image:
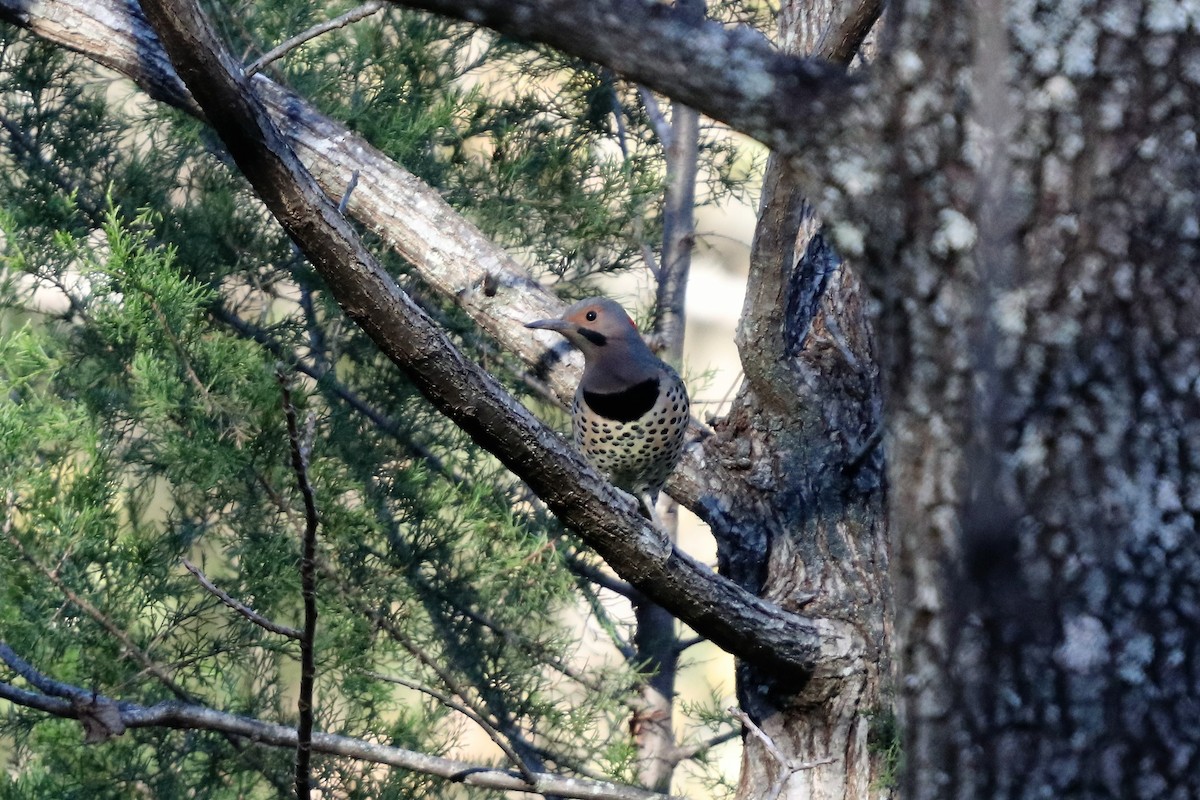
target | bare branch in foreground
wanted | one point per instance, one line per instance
(787, 767)
(72, 702)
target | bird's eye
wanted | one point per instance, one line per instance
(591, 316)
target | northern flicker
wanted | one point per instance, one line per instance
(631, 410)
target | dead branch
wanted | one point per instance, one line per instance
(301, 449)
(241, 608)
(285, 47)
(72, 702)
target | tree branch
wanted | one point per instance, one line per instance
(241, 608)
(685, 752)
(452, 255)
(730, 74)
(72, 702)
(679, 230)
(594, 574)
(840, 41)
(282, 49)
(656, 635)
(731, 617)
(760, 335)
(301, 447)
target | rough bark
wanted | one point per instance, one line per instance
(1021, 196)
(806, 427)
(731, 617)
(1040, 316)
(812, 535)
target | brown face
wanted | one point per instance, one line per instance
(592, 322)
(600, 320)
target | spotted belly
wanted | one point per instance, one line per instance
(634, 447)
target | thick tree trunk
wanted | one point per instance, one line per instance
(1018, 184)
(808, 531)
(1041, 329)
(808, 528)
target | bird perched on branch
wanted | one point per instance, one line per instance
(631, 409)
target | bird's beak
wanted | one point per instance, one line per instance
(559, 325)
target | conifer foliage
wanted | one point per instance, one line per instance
(153, 514)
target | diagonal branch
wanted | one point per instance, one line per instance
(73, 702)
(452, 255)
(730, 74)
(282, 49)
(731, 617)
(840, 41)
(766, 316)
(238, 606)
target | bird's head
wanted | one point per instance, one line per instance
(614, 353)
(594, 326)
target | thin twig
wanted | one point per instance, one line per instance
(344, 203)
(787, 767)
(277, 52)
(696, 748)
(752, 726)
(241, 608)
(599, 577)
(658, 122)
(301, 446)
(492, 732)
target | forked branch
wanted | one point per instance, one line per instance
(731, 617)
